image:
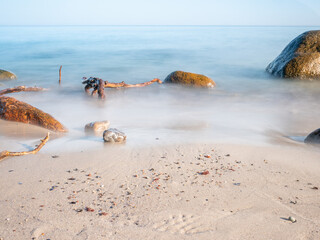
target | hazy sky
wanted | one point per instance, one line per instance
(160, 12)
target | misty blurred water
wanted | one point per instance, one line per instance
(248, 105)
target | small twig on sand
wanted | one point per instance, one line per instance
(60, 75)
(21, 89)
(5, 154)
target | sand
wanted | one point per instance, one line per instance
(190, 191)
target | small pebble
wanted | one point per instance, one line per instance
(292, 219)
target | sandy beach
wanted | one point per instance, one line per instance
(190, 191)
(219, 163)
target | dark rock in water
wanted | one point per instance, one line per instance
(5, 75)
(299, 59)
(191, 79)
(114, 135)
(314, 137)
(17, 111)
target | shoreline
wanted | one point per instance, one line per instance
(163, 192)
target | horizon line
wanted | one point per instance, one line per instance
(151, 25)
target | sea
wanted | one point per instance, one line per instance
(247, 106)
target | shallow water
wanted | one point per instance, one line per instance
(247, 106)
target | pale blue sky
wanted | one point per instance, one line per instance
(160, 12)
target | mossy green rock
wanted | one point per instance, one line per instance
(191, 79)
(5, 75)
(299, 59)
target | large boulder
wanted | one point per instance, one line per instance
(299, 59)
(190, 79)
(314, 137)
(5, 75)
(13, 110)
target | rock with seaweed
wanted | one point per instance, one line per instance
(6, 75)
(189, 79)
(12, 109)
(299, 59)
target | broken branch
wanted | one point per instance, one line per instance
(123, 84)
(5, 154)
(21, 89)
(96, 84)
(60, 75)
(101, 89)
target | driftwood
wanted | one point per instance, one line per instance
(96, 84)
(101, 89)
(14, 110)
(21, 89)
(60, 75)
(5, 154)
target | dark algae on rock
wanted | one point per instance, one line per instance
(299, 59)
(190, 79)
(14, 110)
(6, 75)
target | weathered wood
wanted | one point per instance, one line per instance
(21, 89)
(87, 88)
(96, 84)
(14, 110)
(60, 75)
(125, 85)
(101, 89)
(5, 154)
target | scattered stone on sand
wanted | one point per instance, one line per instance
(190, 79)
(299, 59)
(97, 127)
(292, 219)
(314, 137)
(114, 135)
(13, 110)
(6, 75)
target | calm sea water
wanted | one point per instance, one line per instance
(248, 105)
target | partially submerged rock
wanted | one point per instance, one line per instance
(97, 127)
(299, 59)
(13, 110)
(114, 135)
(191, 79)
(314, 137)
(6, 75)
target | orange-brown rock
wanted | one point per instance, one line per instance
(13, 110)
(189, 79)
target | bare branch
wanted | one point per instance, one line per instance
(21, 89)
(125, 85)
(5, 154)
(60, 75)
(96, 84)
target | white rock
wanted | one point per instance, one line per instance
(97, 127)
(114, 135)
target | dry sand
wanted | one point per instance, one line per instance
(204, 191)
